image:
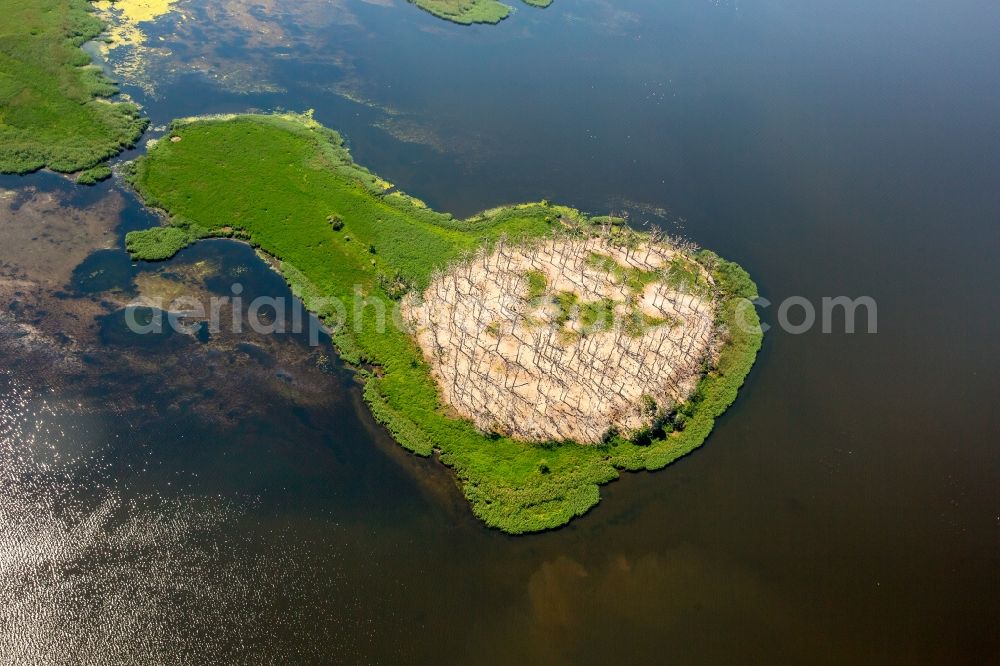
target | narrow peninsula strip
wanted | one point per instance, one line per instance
(54, 111)
(468, 12)
(289, 186)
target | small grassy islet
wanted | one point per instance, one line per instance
(278, 181)
(468, 12)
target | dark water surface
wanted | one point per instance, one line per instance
(846, 509)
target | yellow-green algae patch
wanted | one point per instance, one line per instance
(126, 46)
(289, 187)
(125, 18)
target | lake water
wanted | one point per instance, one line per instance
(230, 500)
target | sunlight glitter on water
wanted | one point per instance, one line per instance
(89, 571)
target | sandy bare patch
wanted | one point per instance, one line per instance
(566, 338)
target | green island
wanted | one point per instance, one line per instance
(289, 187)
(467, 12)
(54, 107)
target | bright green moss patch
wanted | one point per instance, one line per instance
(467, 12)
(274, 180)
(52, 108)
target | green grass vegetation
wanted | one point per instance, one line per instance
(635, 278)
(53, 107)
(273, 180)
(94, 175)
(638, 322)
(468, 12)
(682, 272)
(158, 244)
(597, 315)
(566, 304)
(537, 282)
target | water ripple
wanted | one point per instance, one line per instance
(91, 572)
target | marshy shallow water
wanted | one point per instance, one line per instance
(229, 500)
